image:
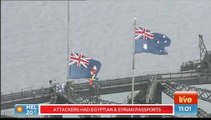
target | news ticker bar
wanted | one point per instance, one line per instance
(94, 109)
(185, 103)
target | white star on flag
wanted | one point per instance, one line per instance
(145, 46)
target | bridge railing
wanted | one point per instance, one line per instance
(186, 74)
(83, 85)
(167, 74)
(120, 76)
(146, 76)
(25, 89)
(112, 81)
(25, 93)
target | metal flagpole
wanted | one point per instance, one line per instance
(68, 32)
(133, 64)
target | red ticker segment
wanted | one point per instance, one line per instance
(84, 109)
(185, 97)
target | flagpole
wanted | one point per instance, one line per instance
(133, 65)
(68, 36)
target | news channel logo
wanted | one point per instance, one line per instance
(186, 103)
(26, 109)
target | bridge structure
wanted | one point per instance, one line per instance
(149, 87)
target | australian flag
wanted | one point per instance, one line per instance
(148, 42)
(82, 67)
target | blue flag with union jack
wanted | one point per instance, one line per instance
(148, 42)
(82, 67)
